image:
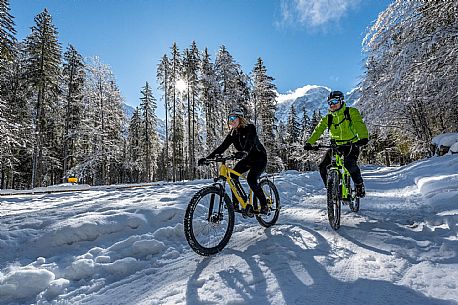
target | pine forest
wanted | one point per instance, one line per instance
(62, 113)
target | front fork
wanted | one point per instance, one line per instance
(215, 207)
(344, 179)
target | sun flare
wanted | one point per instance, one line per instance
(180, 85)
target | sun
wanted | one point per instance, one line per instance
(180, 85)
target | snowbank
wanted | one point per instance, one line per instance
(25, 282)
(119, 245)
(71, 187)
(446, 142)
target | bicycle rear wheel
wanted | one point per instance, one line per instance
(209, 221)
(333, 199)
(273, 200)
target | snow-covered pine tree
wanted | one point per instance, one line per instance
(8, 128)
(264, 101)
(7, 33)
(209, 96)
(210, 102)
(306, 126)
(228, 75)
(243, 91)
(17, 141)
(102, 128)
(163, 78)
(149, 139)
(52, 144)
(43, 72)
(134, 163)
(306, 131)
(293, 126)
(316, 118)
(187, 109)
(7, 140)
(191, 71)
(293, 140)
(176, 106)
(197, 141)
(73, 90)
(115, 138)
(281, 140)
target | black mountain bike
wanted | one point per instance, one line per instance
(340, 186)
(210, 216)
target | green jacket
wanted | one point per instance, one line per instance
(342, 131)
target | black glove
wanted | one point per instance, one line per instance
(202, 161)
(362, 142)
(240, 154)
(309, 146)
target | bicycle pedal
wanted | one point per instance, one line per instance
(247, 213)
(260, 212)
(244, 215)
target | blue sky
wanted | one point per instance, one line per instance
(302, 42)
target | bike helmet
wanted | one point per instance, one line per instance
(238, 112)
(336, 95)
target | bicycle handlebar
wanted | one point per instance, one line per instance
(332, 146)
(336, 146)
(221, 158)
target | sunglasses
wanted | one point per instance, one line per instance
(334, 101)
(232, 118)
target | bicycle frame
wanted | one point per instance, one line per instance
(225, 173)
(337, 163)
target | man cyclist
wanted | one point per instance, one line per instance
(345, 126)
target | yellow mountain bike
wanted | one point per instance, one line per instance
(210, 216)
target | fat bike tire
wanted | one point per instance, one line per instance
(208, 226)
(273, 199)
(333, 199)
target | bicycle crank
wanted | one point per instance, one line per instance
(248, 212)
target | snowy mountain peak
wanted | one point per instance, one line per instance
(299, 92)
(308, 98)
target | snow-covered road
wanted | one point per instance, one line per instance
(108, 246)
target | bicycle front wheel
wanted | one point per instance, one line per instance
(273, 200)
(209, 221)
(333, 199)
(354, 202)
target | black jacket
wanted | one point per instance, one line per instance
(243, 139)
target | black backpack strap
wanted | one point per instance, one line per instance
(329, 121)
(347, 113)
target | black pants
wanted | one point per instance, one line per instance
(256, 168)
(351, 154)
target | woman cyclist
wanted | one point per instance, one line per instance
(250, 150)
